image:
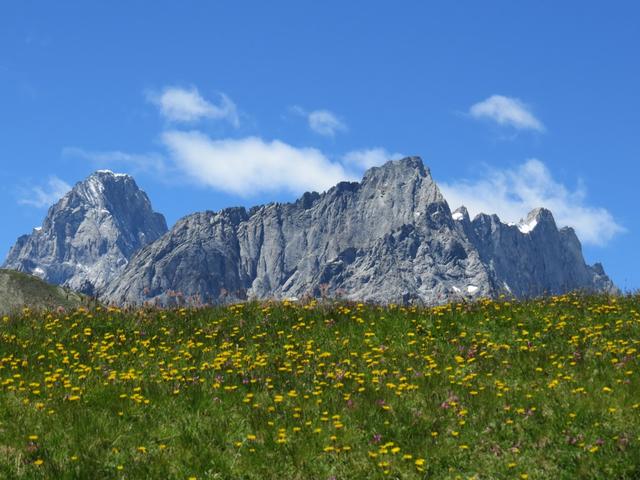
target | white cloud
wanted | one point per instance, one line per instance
(507, 111)
(251, 165)
(243, 166)
(323, 122)
(512, 193)
(134, 162)
(367, 158)
(45, 196)
(187, 105)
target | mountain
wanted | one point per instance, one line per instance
(19, 290)
(88, 237)
(533, 257)
(389, 238)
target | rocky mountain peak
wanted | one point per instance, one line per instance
(104, 173)
(397, 170)
(89, 235)
(102, 188)
(537, 216)
(461, 214)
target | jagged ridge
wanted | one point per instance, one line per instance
(389, 238)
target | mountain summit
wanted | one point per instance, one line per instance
(89, 235)
(389, 238)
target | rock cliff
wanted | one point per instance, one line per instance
(88, 236)
(389, 238)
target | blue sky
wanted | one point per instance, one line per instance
(212, 104)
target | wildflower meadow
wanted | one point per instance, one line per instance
(496, 389)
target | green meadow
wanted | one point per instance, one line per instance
(498, 389)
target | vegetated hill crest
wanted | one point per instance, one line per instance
(19, 290)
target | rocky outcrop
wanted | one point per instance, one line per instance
(88, 237)
(389, 238)
(533, 257)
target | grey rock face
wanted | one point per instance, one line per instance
(88, 237)
(533, 257)
(389, 238)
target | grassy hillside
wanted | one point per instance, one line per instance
(19, 290)
(535, 390)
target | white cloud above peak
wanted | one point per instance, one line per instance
(251, 165)
(45, 196)
(507, 111)
(178, 104)
(154, 163)
(323, 122)
(369, 157)
(511, 193)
